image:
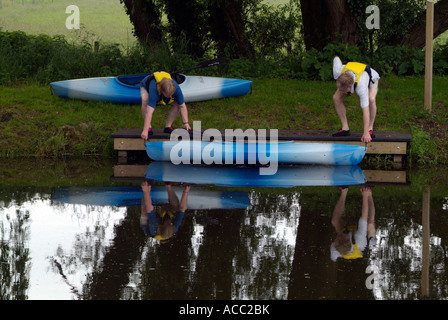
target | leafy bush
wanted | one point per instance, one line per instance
(22, 55)
(400, 60)
(44, 59)
(273, 29)
(425, 149)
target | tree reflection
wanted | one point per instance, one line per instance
(279, 248)
(14, 261)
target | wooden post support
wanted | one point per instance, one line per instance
(429, 54)
(426, 241)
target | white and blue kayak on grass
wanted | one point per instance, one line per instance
(126, 89)
(287, 176)
(126, 196)
(289, 152)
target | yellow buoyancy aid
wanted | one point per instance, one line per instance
(159, 75)
(355, 67)
(356, 252)
(162, 214)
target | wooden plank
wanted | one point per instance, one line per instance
(130, 171)
(385, 176)
(297, 135)
(130, 144)
(320, 135)
(429, 54)
(373, 147)
(135, 133)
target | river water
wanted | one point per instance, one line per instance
(76, 230)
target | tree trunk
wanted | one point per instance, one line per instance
(416, 35)
(228, 28)
(146, 20)
(219, 30)
(326, 21)
(341, 24)
(232, 12)
(185, 24)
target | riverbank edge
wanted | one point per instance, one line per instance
(36, 123)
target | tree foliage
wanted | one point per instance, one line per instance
(186, 25)
(252, 28)
(343, 21)
(226, 27)
(146, 16)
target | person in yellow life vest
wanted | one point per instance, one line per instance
(160, 88)
(353, 242)
(163, 222)
(355, 77)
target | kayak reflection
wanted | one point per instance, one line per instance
(123, 196)
(237, 176)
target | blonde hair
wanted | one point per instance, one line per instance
(345, 80)
(343, 244)
(166, 87)
(165, 231)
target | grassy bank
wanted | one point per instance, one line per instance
(33, 122)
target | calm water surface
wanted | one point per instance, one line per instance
(75, 230)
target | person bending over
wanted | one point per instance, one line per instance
(355, 77)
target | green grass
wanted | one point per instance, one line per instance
(33, 122)
(101, 20)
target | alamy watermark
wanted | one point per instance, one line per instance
(236, 147)
(373, 20)
(372, 281)
(73, 20)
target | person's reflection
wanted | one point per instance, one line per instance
(162, 222)
(353, 241)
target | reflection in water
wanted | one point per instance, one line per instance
(15, 257)
(128, 196)
(353, 241)
(286, 176)
(58, 244)
(163, 223)
(276, 246)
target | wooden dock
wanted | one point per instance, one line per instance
(385, 142)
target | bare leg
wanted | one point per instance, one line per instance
(147, 112)
(174, 111)
(337, 219)
(371, 216)
(146, 205)
(338, 99)
(184, 199)
(173, 200)
(144, 96)
(372, 106)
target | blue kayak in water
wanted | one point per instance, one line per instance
(249, 176)
(126, 89)
(216, 152)
(120, 196)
